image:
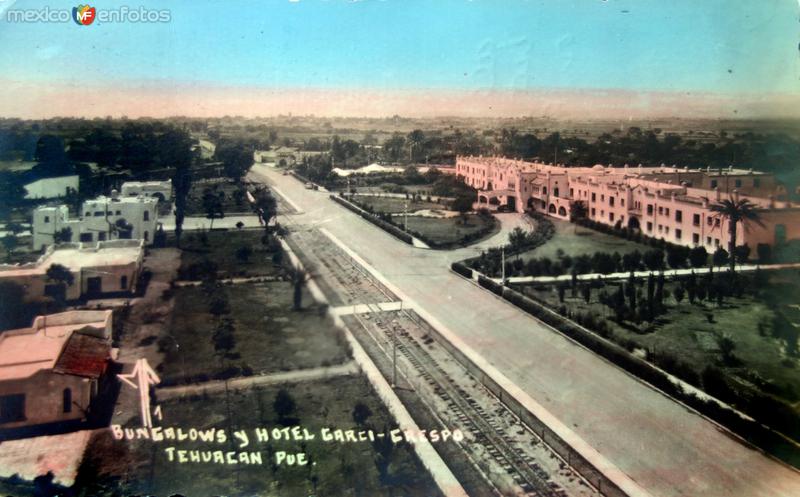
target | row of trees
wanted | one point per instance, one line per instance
(674, 257)
(652, 147)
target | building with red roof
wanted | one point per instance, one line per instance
(52, 372)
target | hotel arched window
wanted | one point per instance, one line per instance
(67, 400)
(146, 215)
(555, 191)
(123, 282)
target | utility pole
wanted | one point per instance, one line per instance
(394, 354)
(503, 264)
(405, 217)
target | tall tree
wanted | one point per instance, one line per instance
(236, 158)
(62, 278)
(176, 150)
(212, 205)
(415, 140)
(517, 239)
(736, 211)
(462, 204)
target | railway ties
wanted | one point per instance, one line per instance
(484, 427)
(487, 427)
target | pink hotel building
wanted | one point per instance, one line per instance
(663, 202)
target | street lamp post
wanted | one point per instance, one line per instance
(503, 264)
(405, 217)
(394, 354)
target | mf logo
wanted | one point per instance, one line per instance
(83, 15)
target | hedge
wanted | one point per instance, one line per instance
(752, 431)
(462, 270)
(390, 228)
(490, 285)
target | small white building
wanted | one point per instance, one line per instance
(162, 190)
(52, 187)
(289, 154)
(102, 218)
(98, 269)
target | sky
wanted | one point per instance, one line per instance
(565, 58)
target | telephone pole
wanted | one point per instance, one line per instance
(503, 264)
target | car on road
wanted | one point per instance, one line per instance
(309, 186)
(285, 173)
(504, 208)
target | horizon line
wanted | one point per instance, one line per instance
(158, 100)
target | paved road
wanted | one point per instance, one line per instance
(665, 448)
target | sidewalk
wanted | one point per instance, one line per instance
(644, 274)
(199, 223)
(245, 382)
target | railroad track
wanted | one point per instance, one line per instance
(483, 425)
(354, 285)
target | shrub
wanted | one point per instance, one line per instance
(461, 269)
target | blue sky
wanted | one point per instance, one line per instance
(734, 46)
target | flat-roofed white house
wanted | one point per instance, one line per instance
(53, 371)
(101, 219)
(162, 190)
(52, 187)
(98, 269)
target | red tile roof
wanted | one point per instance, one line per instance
(84, 355)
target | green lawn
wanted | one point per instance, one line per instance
(221, 248)
(269, 335)
(447, 231)
(576, 240)
(336, 469)
(395, 205)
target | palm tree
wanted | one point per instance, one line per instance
(736, 211)
(415, 139)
